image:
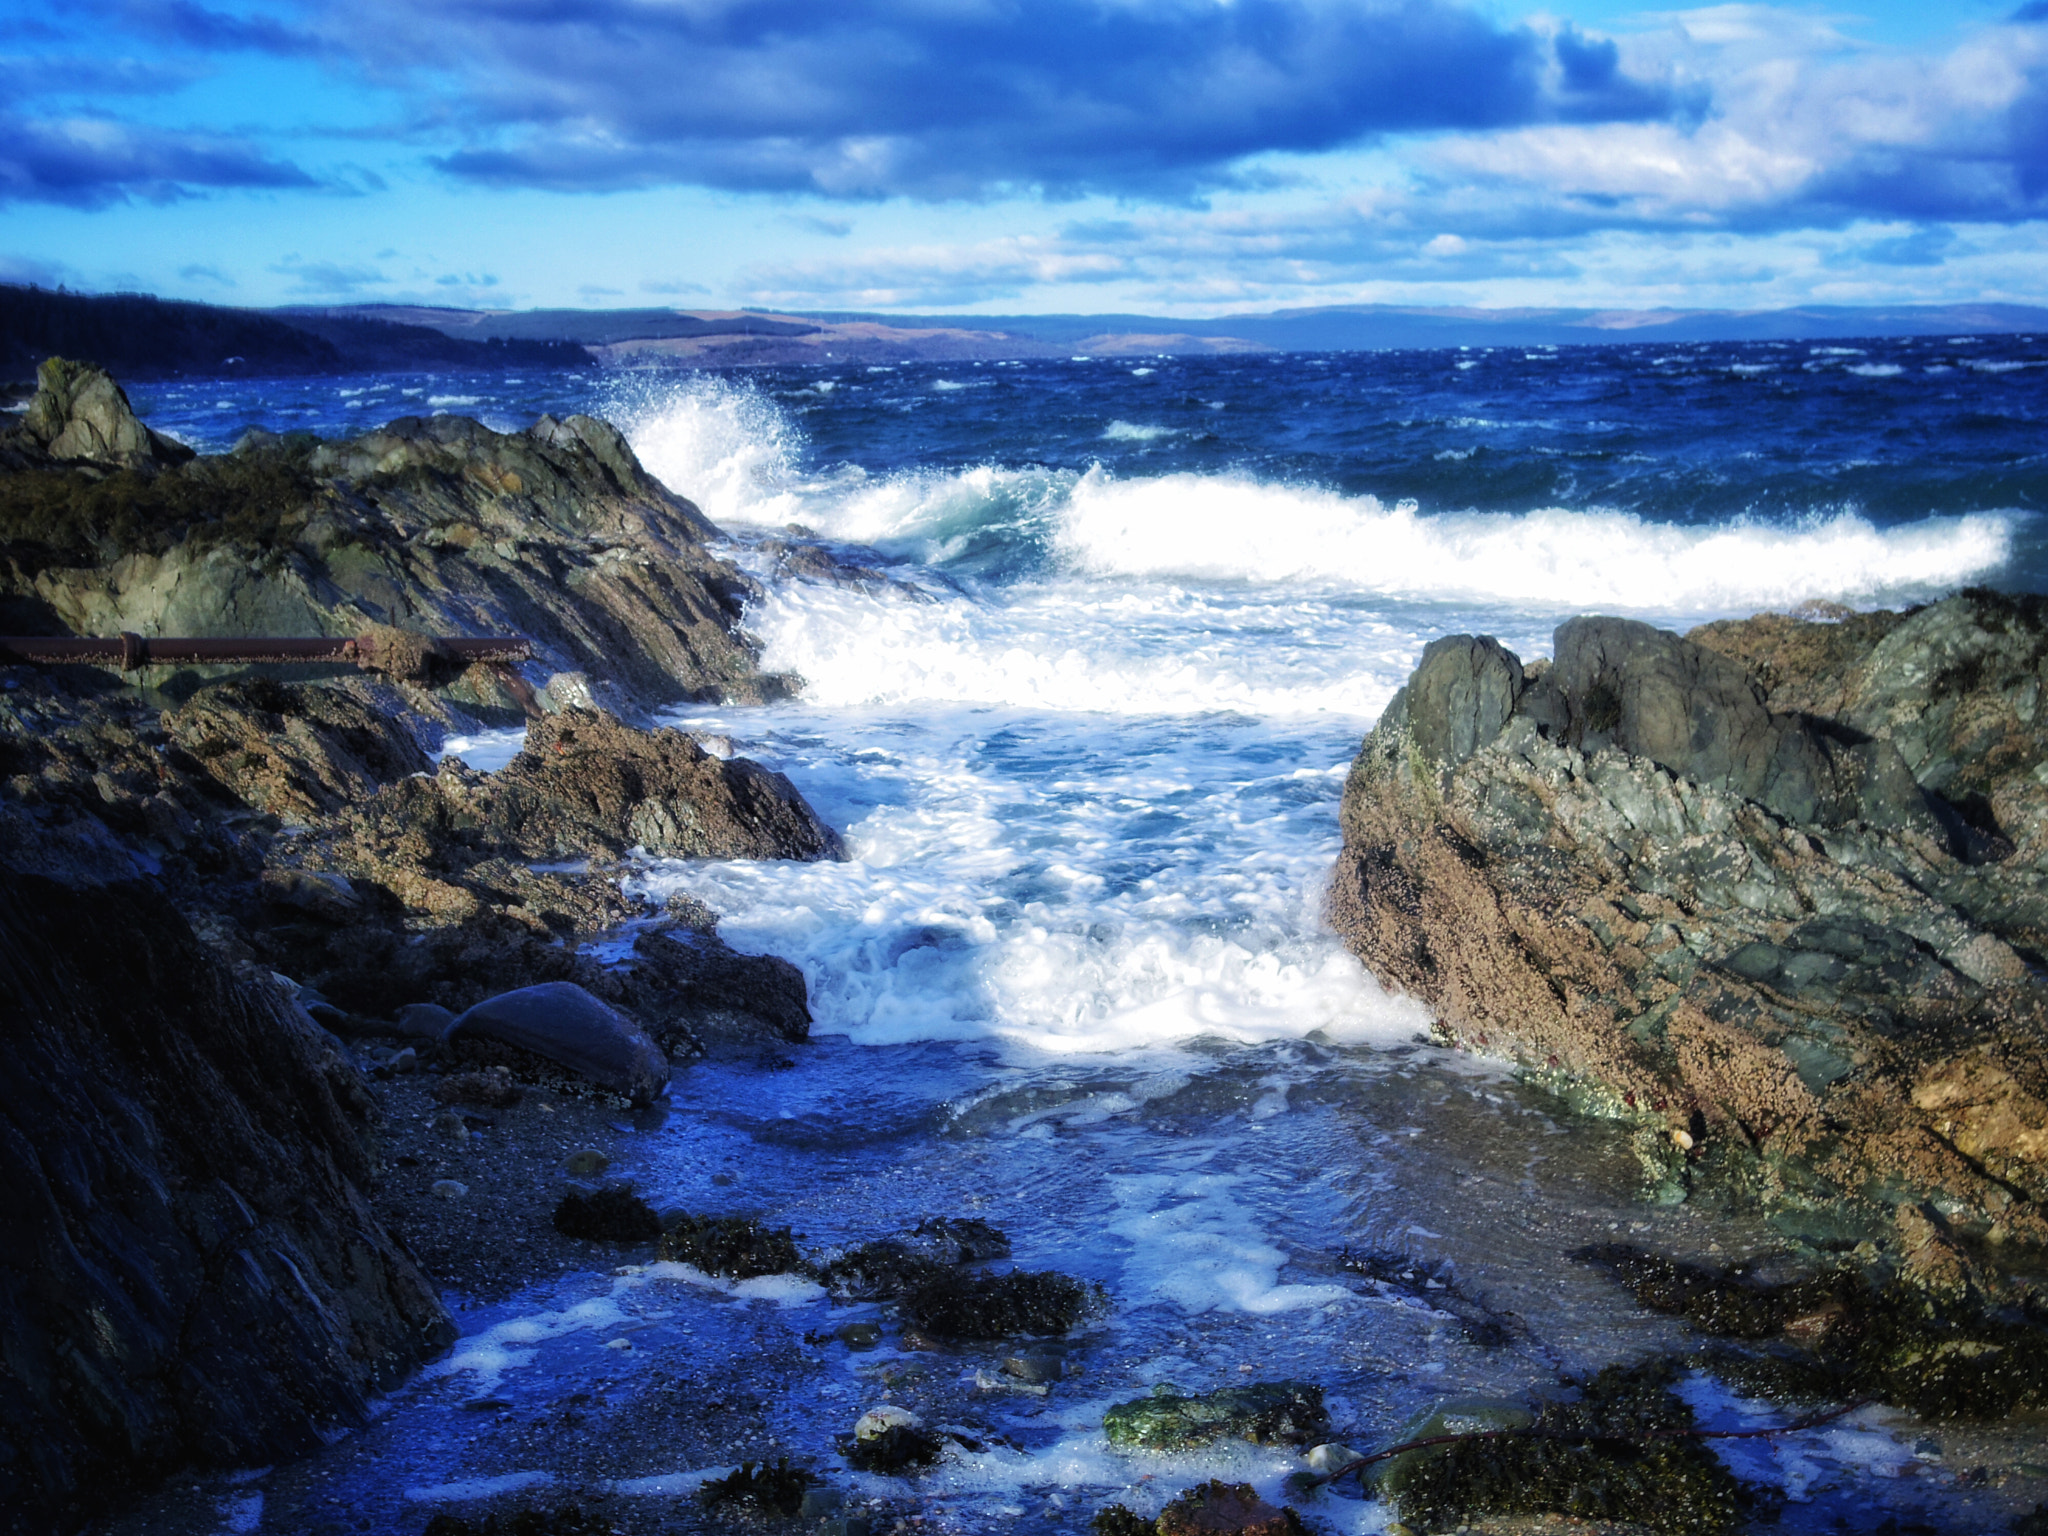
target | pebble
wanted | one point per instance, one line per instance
(884, 1417)
(820, 1502)
(846, 1525)
(1328, 1458)
(448, 1126)
(861, 1335)
(587, 1160)
(989, 1381)
(1035, 1368)
(407, 1060)
(450, 1189)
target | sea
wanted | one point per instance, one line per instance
(1086, 745)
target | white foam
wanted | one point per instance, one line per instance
(480, 1487)
(1195, 1245)
(485, 751)
(783, 1290)
(1226, 528)
(1079, 645)
(1875, 370)
(1134, 432)
(454, 399)
(512, 1344)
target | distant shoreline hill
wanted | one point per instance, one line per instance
(145, 337)
(761, 338)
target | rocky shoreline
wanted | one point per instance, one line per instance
(1774, 892)
(312, 1044)
(227, 917)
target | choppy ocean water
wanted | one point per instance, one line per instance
(1087, 755)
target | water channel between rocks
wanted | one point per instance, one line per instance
(1071, 983)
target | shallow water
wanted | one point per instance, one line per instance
(1087, 754)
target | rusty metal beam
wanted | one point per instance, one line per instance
(129, 651)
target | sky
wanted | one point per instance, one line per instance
(1172, 157)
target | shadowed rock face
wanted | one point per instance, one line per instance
(1654, 875)
(189, 1270)
(438, 525)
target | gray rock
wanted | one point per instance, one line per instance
(564, 1023)
(425, 1021)
(79, 412)
(1463, 691)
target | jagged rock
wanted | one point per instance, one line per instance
(436, 526)
(585, 782)
(295, 751)
(1218, 1508)
(693, 979)
(564, 1023)
(1764, 934)
(190, 1274)
(79, 412)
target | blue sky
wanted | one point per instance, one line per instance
(1187, 157)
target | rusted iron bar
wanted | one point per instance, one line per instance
(129, 651)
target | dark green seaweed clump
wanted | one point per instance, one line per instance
(1118, 1520)
(778, 1489)
(1838, 1338)
(889, 1266)
(610, 1215)
(566, 1520)
(1620, 1452)
(1220, 1506)
(896, 1448)
(981, 1306)
(734, 1246)
(248, 501)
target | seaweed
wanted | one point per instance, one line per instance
(613, 1214)
(1118, 1520)
(890, 1266)
(778, 1489)
(976, 1306)
(1838, 1337)
(737, 1247)
(1625, 1449)
(894, 1448)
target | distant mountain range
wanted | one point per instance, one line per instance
(144, 336)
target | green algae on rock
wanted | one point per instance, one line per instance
(1264, 1412)
(1621, 1451)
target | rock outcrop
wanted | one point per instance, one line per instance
(1773, 891)
(432, 524)
(190, 1269)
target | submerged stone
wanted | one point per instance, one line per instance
(779, 1489)
(1218, 1508)
(890, 1439)
(1265, 1412)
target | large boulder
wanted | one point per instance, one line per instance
(1653, 874)
(564, 1023)
(79, 413)
(190, 1273)
(437, 525)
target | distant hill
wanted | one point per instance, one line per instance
(727, 338)
(137, 336)
(141, 337)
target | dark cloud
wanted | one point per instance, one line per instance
(196, 26)
(876, 98)
(91, 162)
(199, 273)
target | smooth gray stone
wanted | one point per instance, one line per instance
(564, 1023)
(423, 1021)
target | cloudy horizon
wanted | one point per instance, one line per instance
(1191, 157)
